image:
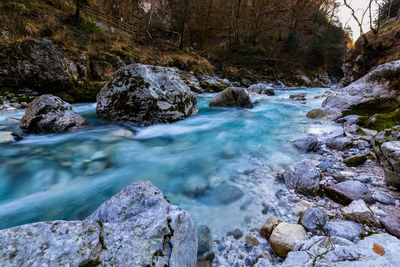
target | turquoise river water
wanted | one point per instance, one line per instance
(218, 164)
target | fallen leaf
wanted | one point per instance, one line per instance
(378, 249)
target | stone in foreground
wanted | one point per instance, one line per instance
(358, 211)
(50, 114)
(391, 224)
(303, 177)
(285, 236)
(145, 95)
(232, 97)
(346, 229)
(339, 252)
(345, 192)
(136, 227)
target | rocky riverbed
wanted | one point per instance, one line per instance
(333, 202)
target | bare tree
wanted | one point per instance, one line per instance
(360, 20)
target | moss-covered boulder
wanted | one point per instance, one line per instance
(145, 95)
(355, 161)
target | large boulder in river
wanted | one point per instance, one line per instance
(303, 177)
(50, 114)
(145, 95)
(378, 90)
(136, 227)
(38, 65)
(232, 97)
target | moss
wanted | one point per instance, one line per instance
(383, 121)
(355, 161)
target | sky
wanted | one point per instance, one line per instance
(346, 18)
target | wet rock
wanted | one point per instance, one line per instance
(391, 224)
(307, 144)
(205, 239)
(319, 113)
(8, 137)
(340, 143)
(262, 89)
(146, 95)
(237, 233)
(232, 97)
(226, 193)
(346, 229)
(345, 192)
(136, 227)
(336, 251)
(303, 177)
(391, 162)
(359, 212)
(269, 226)
(384, 199)
(299, 97)
(50, 114)
(285, 236)
(314, 219)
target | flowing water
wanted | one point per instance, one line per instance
(218, 164)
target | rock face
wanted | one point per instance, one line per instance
(262, 89)
(145, 95)
(346, 229)
(378, 89)
(136, 227)
(50, 114)
(232, 97)
(36, 64)
(285, 236)
(358, 211)
(339, 252)
(345, 192)
(303, 177)
(391, 162)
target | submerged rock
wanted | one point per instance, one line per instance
(285, 236)
(232, 97)
(50, 114)
(339, 252)
(303, 177)
(145, 95)
(346, 229)
(345, 192)
(136, 227)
